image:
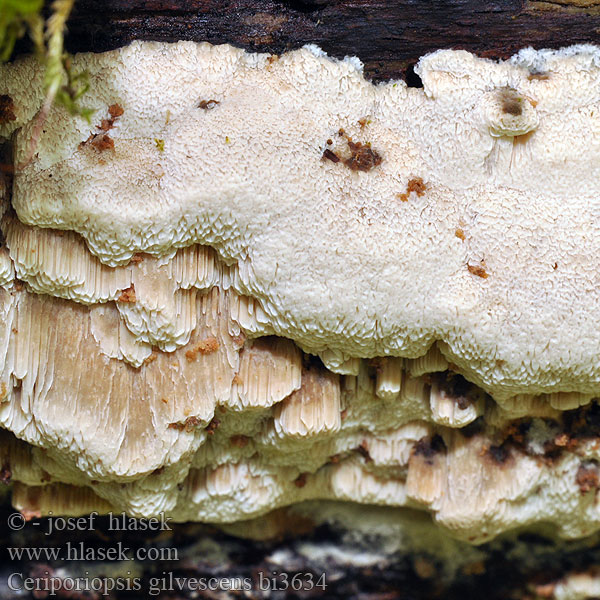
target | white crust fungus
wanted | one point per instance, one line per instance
(229, 149)
(165, 268)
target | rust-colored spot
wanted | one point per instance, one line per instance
(106, 124)
(363, 450)
(362, 157)
(329, 142)
(460, 234)
(587, 477)
(128, 294)
(300, 481)
(7, 109)
(165, 400)
(101, 141)
(364, 122)
(555, 266)
(212, 426)
(19, 285)
(237, 380)
(207, 104)
(239, 441)
(478, 270)
(187, 425)
(416, 185)
(330, 155)
(206, 346)
(191, 354)
(151, 358)
(115, 110)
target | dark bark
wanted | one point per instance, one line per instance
(387, 35)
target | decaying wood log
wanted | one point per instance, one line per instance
(388, 36)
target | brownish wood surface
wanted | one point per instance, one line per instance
(388, 35)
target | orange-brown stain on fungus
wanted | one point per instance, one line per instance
(460, 234)
(188, 425)
(207, 104)
(478, 270)
(206, 346)
(416, 185)
(102, 141)
(115, 110)
(239, 441)
(7, 109)
(362, 157)
(587, 477)
(128, 294)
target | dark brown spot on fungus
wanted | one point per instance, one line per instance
(329, 155)
(429, 447)
(363, 450)
(587, 477)
(300, 481)
(362, 157)
(7, 109)
(512, 103)
(499, 454)
(207, 104)
(456, 387)
(212, 426)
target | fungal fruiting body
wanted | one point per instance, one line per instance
(291, 284)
